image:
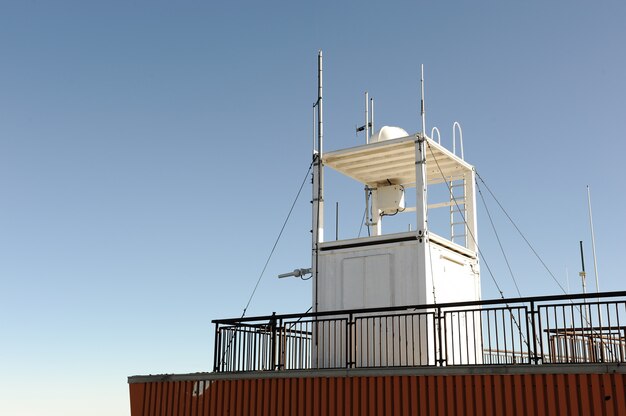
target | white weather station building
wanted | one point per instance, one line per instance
(416, 267)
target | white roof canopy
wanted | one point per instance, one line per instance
(393, 161)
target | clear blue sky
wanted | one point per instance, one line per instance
(149, 152)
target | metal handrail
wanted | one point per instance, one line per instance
(455, 333)
(498, 301)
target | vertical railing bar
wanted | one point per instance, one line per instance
(458, 336)
(524, 346)
(452, 333)
(520, 358)
(504, 328)
(461, 329)
(511, 341)
(366, 337)
(332, 342)
(413, 340)
(424, 341)
(467, 351)
(393, 340)
(386, 340)
(534, 314)
(472, 339)
(350, 341)
(336, 344)
(244, 349)
(437, 337)
(620, 338)
(565, 333)
(406, 340)
(235, 349)
(495, 314)
(281, 345)
(240, 351)
(611, 342)
(257, 347)
(546, 318)
(601, 336)
(425, 338)
(249, 352)
(556, 333)
(491, 358)
(216, 351)
(443, 332)
(582, 332)
(378, 349)
(574, 357)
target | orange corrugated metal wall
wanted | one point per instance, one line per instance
(524, 394)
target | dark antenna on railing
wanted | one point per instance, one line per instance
(582, 274)
(583, 278)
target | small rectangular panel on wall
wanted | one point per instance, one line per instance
(367, 282)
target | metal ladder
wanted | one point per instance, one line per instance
(458, 228)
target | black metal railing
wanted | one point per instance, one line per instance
(581, 328)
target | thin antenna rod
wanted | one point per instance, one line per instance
(337, 221)
(372, 116)
(583, 277)
(367, 118)
(423, 107)
(314, 126)
(320, 121)
(593, 240)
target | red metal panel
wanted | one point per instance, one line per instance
(507, 395)
(619, 394)
(499, 394)
(596, 401)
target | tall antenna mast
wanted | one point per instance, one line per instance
(368, 127)
(367, 118)
(372, 116)
(318, 183)
(423, 108)
(593, 241)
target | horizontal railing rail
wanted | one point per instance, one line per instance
(581, 328)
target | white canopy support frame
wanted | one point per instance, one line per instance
(393, 162)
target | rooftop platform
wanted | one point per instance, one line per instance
(394, 161)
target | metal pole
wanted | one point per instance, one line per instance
(583, 277)
(367, 118)
(320, 121)
(314, 127)
(421, 209)
(318, 185)
(367, 210)
(372, 116)
(216, 359)
(337, 221)
(423, 107)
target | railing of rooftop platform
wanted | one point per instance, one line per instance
(582, 328)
